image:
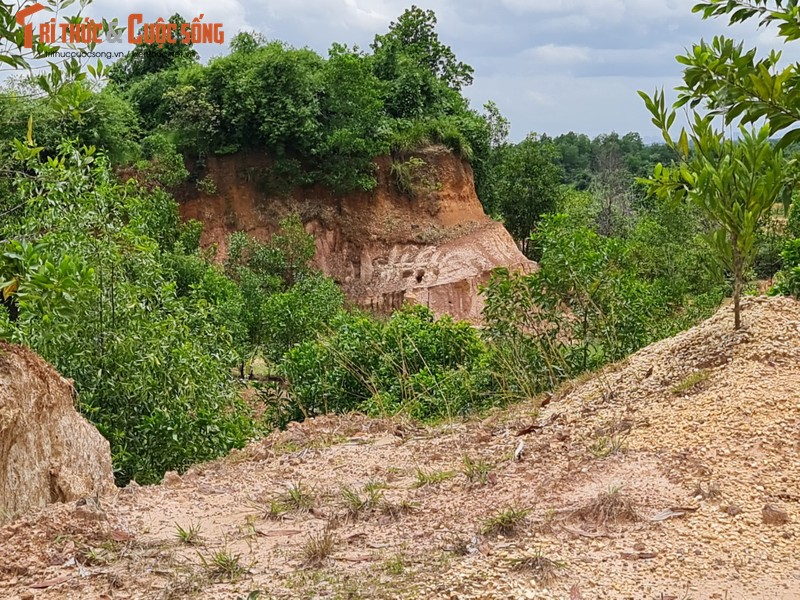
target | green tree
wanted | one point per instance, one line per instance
(736, 83)
(528, 186)
(734, 182)
(413, 37)
(146, 59)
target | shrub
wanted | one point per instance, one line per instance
(788, 280)
(412, 363)
(150, 361)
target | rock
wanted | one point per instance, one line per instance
(733, 510)
(772, 515)
(172, 479)
(48, 452)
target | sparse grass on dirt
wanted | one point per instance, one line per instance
(395, 565)
(189, 536)
(223, 565)
(106, 554)
(318, 548)
(608, 445)
(690, 382)
(610, 507)
(356, 503)
(432, 477)
(298, 496)
(507, 522)
(543, 569)
(276, 510)
(397, 510)
(476, 471)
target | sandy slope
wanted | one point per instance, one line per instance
(706, 424)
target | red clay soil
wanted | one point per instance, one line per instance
(383, 247)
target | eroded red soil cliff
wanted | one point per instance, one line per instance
(383, 247)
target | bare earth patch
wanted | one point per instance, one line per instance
(697, 497)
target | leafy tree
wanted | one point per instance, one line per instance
(734, 82)
(528, 186)
(247, 41)
(412, 41)
(88, 268)
(735, 183)
(146, 59)
(354, 123)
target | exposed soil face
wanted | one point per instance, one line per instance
(383, 247)
(48, 452)
(675, 474)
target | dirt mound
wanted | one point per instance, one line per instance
(671, 475)
(384, 247)
(48, 452)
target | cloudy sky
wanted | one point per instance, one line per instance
(552, 66)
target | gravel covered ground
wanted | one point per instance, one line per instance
(675, 474)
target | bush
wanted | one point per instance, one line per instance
(107, 294)
(788, 280)
(593, 301)
(411, 364)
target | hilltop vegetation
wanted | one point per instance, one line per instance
(101, 278)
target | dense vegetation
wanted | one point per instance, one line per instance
(98, 274)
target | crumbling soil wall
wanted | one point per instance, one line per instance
(48, 452)
(384, 247)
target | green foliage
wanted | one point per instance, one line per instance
(321, 121)
(163, 164)
(285, 302)
(594, 300)
(528, 185)
(105, 120)
(96, 298)
(413, 364)
(413, 37)
(735, 83)
(788, 280)
(413, 178)
(793, 222)
(146, 59)
(584, 159)
(735, 184)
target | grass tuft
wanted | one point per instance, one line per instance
(476, 472)
(690, 382)
(432, 477)
(544, 570)
(609, 507)
(507, 522)
(318, 548)
(224, 566)
(189, 536)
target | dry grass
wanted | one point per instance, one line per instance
(608, 445)
(397, 510)
(318, 548)
(612, 506)
(543, 569)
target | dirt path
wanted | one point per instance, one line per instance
(673, 475)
